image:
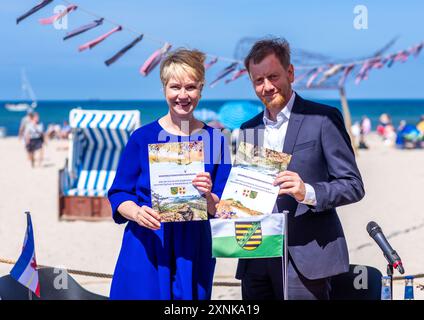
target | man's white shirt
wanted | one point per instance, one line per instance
(274, 136)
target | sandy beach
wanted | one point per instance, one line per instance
(393, 182)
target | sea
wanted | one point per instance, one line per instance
(56, 111)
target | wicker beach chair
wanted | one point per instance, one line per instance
(97, 139)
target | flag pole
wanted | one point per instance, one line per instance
(347, 118)
(285, 257)
(29, 291)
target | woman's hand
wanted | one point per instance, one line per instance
(203, 183)
(147, 217)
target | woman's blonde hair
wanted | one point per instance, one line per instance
(182, 62)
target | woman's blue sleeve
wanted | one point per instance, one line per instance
(124, 185)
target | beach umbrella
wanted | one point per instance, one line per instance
(205, 115)
(233, 114)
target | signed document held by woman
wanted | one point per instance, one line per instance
(172, 168)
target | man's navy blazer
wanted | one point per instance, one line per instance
(323, 157)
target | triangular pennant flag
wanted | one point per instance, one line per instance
(391, 60)
(399, 56)
(402, 56)
(378, 63)
(83, 28)
(224, 73)
(314, 76)
(237, 74)
(121, 52)
(211, 63)
(154, 59)
(59, 15)
(331, 71)
(346, 72)
(363, 72)
(95, 42)
(33, 10)
(415, 50)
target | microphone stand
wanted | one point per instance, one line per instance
(390, 274)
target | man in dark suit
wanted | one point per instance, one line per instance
(321, 176)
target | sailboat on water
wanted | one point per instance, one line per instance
(27, 92)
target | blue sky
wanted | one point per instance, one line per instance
(58, 71)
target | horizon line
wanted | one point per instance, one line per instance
(211, 99)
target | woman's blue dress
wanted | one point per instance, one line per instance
(174, 262)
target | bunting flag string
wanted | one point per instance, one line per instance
(308, 78)
(59, 15)
(33, 10)
(365, 65)
(83, 28)
(91, 44)
(121, 52)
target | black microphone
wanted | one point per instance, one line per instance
(391, 255)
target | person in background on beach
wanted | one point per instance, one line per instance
(321, 176)
(53, 131)
(24, 122)
(383, 121)
(65, 131)
(386, 129)
(172, 260)
(400, 141)
(420, 126)
(365, 129)
(34, 138)
(355, 129)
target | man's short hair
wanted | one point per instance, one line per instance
(263, 48)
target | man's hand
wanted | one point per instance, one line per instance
(290, 183)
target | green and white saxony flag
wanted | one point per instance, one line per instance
(252, 237)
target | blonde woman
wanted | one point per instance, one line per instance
(170, 260)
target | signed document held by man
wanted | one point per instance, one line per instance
(172, 167)
(249, 190)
